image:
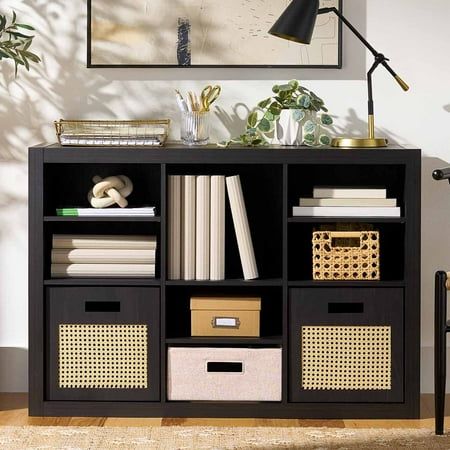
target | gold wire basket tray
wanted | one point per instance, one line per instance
(100, 133)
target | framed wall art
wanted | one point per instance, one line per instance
(204, 33)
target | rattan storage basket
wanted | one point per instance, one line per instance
(335, 258)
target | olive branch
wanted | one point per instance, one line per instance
(15, 44)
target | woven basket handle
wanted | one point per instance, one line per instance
(345, 234)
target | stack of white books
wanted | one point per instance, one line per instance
(329, 201)
(196, 227)
(103, 256)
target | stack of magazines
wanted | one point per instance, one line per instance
(103, 256)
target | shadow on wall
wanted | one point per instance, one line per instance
(53, 88)
(13, 369)
(353, 126)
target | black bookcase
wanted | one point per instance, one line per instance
(272, 179)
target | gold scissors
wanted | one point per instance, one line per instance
(209, 96)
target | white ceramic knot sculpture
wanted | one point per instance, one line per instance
(109, 191)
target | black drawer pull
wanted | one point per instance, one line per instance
(224, 367)
(346, 308)
(91, 306)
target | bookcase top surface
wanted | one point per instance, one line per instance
(211, 154)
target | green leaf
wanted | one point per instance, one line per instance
(285, 88)
(304, 101)
(25, 61)
(298, 114)
(310, 140)
(4, 55)
(270, 116)
(324, 139)
(326, 119)
(309, 127)
(27, 44)
(16, 34)
(265, 126)
(14, 17)
(275, 109)
(32, 56)
(23, 25)
(223, 144)
(294, 84)
(252, 119)
(265, 103)
(276, 89)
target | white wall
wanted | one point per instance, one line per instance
(413, 33)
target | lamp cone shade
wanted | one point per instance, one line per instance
(297, 21)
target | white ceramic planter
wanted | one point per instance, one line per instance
(287, 129)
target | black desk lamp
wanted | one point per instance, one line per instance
(297, 24)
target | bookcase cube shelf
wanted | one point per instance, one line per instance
(262, 187)
(392, 249)
(98, 228)
(178, 315)
(366, 325)
(273, 180)
(303, 178)
(69, 184)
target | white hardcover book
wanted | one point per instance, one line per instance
(217, 233)
(102, 270)
(348, 192)
(342, 211)
(376, 202)
(174, 228)
(203, 186)
(103, 241)
(241, 227)
(188, 227)
(102, 256)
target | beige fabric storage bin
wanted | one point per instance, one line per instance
(227, 374)
(220, 316)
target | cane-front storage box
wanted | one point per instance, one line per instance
(224, 374)
(346, 344)
(223, 316)
(103, 343)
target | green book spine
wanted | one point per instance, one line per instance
(67, 212)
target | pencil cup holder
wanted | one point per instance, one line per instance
(195, 127)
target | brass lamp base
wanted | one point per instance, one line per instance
(359, 142)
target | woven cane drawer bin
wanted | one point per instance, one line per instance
(346, 255)
(346, 344)
(103, 343)
(224, 374)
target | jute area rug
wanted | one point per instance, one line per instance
(216, 438)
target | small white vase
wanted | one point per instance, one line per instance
(287, 129)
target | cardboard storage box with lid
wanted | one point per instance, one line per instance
(225, 316)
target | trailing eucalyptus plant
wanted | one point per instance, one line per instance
(307, 108)
(14, 44)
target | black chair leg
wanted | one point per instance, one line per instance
(440, 349)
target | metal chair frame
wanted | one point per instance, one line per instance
(441, 328)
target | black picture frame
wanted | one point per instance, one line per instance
(90, 65)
